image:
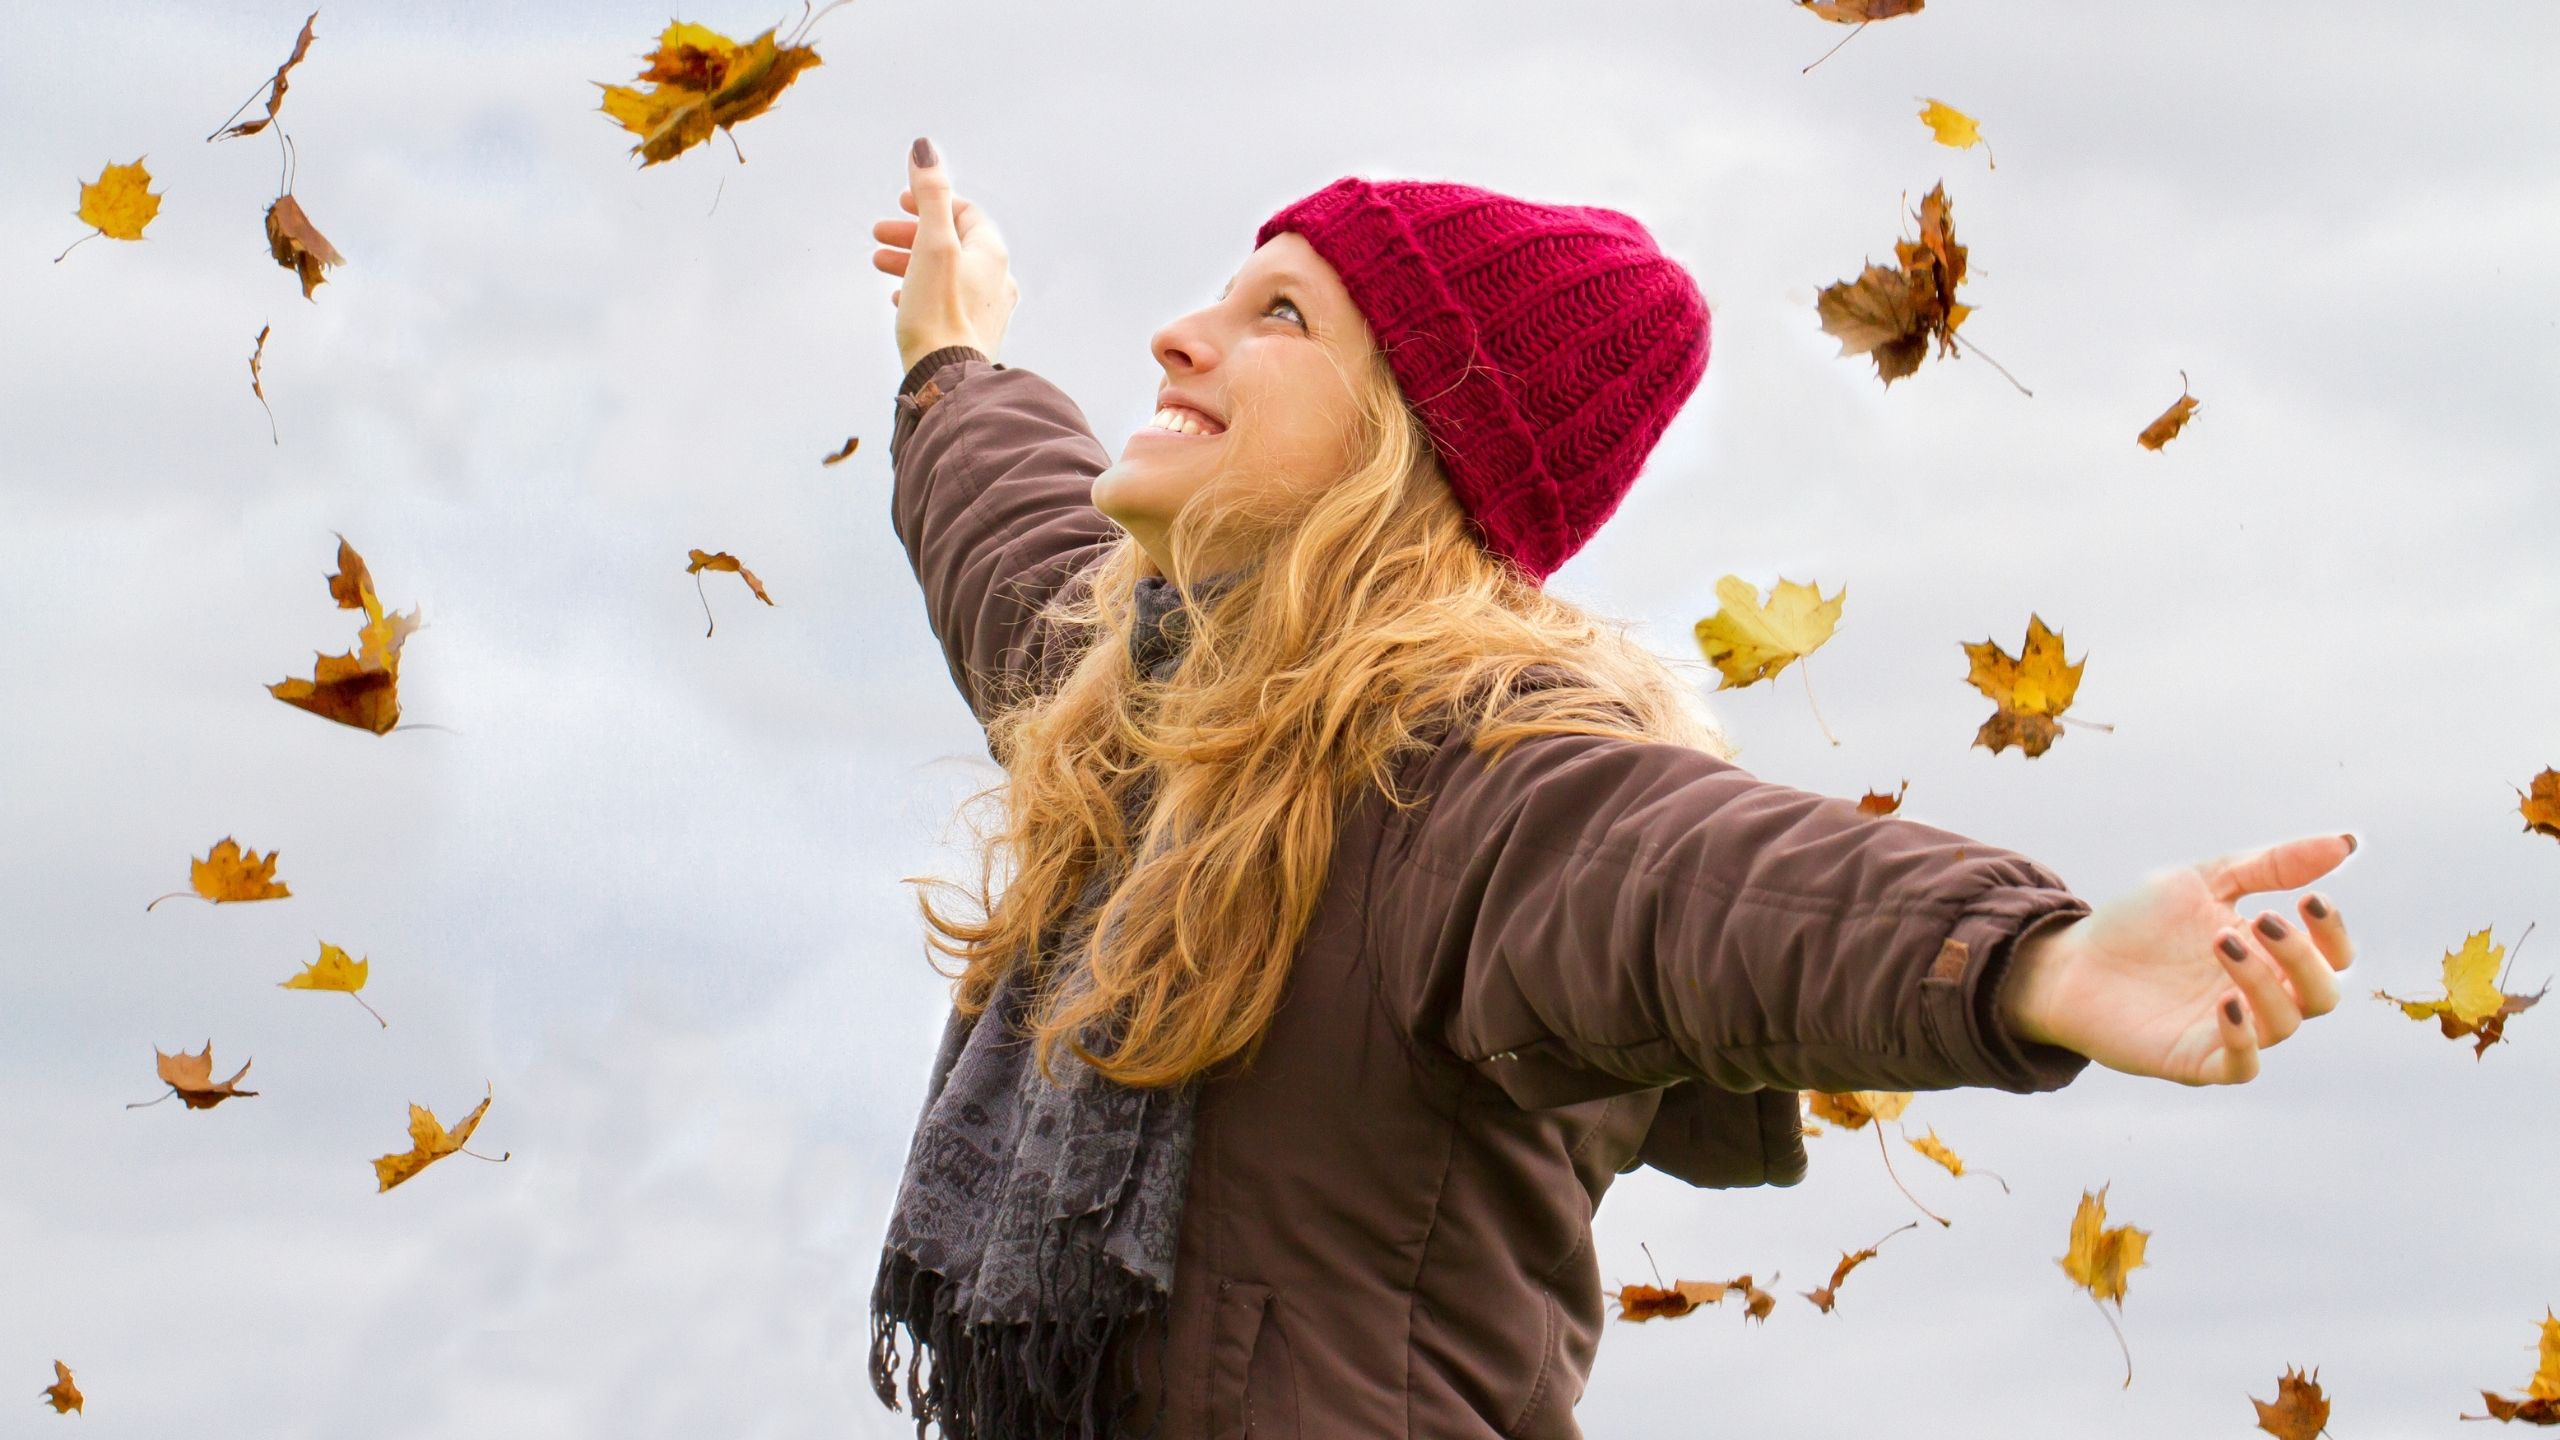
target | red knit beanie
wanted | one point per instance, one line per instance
(1544, 346)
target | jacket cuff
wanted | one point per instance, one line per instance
(1961, 990)
(923, 369)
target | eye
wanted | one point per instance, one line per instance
(1279, 300)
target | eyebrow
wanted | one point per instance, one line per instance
(1286, 277)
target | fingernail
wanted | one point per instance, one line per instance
(2233, 951)
(2271, 925)
(2351, 843)
(2231, 1011)
(924, 154)
(2318, 907)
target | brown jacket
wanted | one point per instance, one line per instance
(1595, 955)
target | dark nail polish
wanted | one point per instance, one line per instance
(924, 152)
(2231, 1011)
(2318, 907)
(2351, 843)
(2233, 950)
(2271, 925)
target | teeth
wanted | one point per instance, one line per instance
(1174, 417)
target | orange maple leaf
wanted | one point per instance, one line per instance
(2300, 1411)
(1828, 1294)
(428, 1143)
(2541, 809)
(227, 873)
(2032, 689)
(720, 560)
(62, 1394)
(2099, 1257)
(2172, 420)
(700, 80)
(359, 688)
(190, 1078)
(1876, 802)
(1666, 1302)
(2541, 1405)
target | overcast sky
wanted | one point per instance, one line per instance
(645, 886)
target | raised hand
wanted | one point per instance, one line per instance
(2169, 982)
(951, 255)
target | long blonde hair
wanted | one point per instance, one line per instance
(1372, 620)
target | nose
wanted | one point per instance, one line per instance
(1184, 346)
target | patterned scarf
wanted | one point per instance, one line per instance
(1036, 1223)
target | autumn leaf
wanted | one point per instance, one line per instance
(2541, 809)
(274, 90)
(258, 387)
(297, 244)
(1640, 1303)
(335, 971)
(1876, 802)
(62, 1394)
(359, 688)
(721, 560)
(2300, 1411)
(700, 80)
(1953, 127)
(1858, 12)
(2100, 1256)
(850, 444)
(1892, 315)
(1747, 640)
(1852, 1109)
(428, 1143)
(1828, 1293)
(2541, 1405)
(117, 204)
(2474, 1002)
(2032, 690)
(226, 873)
(1936, 1149)
(2172, 420)
(190, 1078)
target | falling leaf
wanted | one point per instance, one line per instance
(361, 687)
(274, 89)
(117, 204)
(1746, 640)
(190, 1077)
(1852, 1109)
(298, 245)
(700, 80)
(1936, 1149)
(258, 386)
(2172, 420)
(1666, 1302)
(2032, 690)
(2300, 1411)
(1828, 1294)
(2100, 1256)
(227, 873)
(1858, 12)
(721, 560)
(1892, 315)
(1955, 128)
(428, 1143)
(1876, 802)
(62, 1394)
(841, 455)
(2541, 1405)
(2541, 809)
(335, 971)
(2473, 1002)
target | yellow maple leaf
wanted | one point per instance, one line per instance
(2472, 1003)
(335, 971)
(1936, 1149)
(1747, 640)
(2101, 1253)
(1955, 128)
(700, 80)
(2032, 689)
(428, 1143)
(117, 204)
(359, 688)
(1852, 1109)
(227, 873)
(2541, 1405)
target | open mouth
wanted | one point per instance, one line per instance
(1180, 422)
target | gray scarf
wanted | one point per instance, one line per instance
(1036, 1223)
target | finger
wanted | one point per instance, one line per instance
(893, 297)
(2328, 931)
(893, 262)
(2315, 985)
(2261, 982)
(2237, 1061)
(930, 179)
(895, 232)
(2287, 866)
(964, 213)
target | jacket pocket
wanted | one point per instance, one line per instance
(1253, 1382)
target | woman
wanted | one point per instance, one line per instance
(1368, 909)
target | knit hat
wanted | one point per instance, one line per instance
(1545, 347)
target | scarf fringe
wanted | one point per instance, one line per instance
(1041, 1379)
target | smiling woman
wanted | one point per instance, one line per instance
(1368, 909)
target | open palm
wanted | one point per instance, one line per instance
(2143, 983)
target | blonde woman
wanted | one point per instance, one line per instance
(1366, 909)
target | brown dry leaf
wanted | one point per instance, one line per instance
(2100, 1256)
(1876, 802)
(258, 386)
(2541, 1405)
(1892, 315)
(1747, 640)
(1828, 1294)
(298, 245)
(2541, 809)
(2300, 1411)
(361, 687)
(1858, 12)
(191, 1076)
(2473, 1002)
(335, 970)
(700, 80)
(2172, 420)
(62, 1394)
(720, 560)
(428, 1143)
(274, 89)
(1852, 1109)
(850, 444)
(2032, 690)
(1666, 1302)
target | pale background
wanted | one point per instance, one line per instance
(649, 891)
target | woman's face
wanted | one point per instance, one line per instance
(1274, 339)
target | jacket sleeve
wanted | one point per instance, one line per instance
(993, 500)
(1594, 915)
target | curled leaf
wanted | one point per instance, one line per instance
(298, 245)
(274, 88)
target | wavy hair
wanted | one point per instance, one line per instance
(1371, 621)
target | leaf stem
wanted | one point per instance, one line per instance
(1887, 1153)
(1825, 55)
